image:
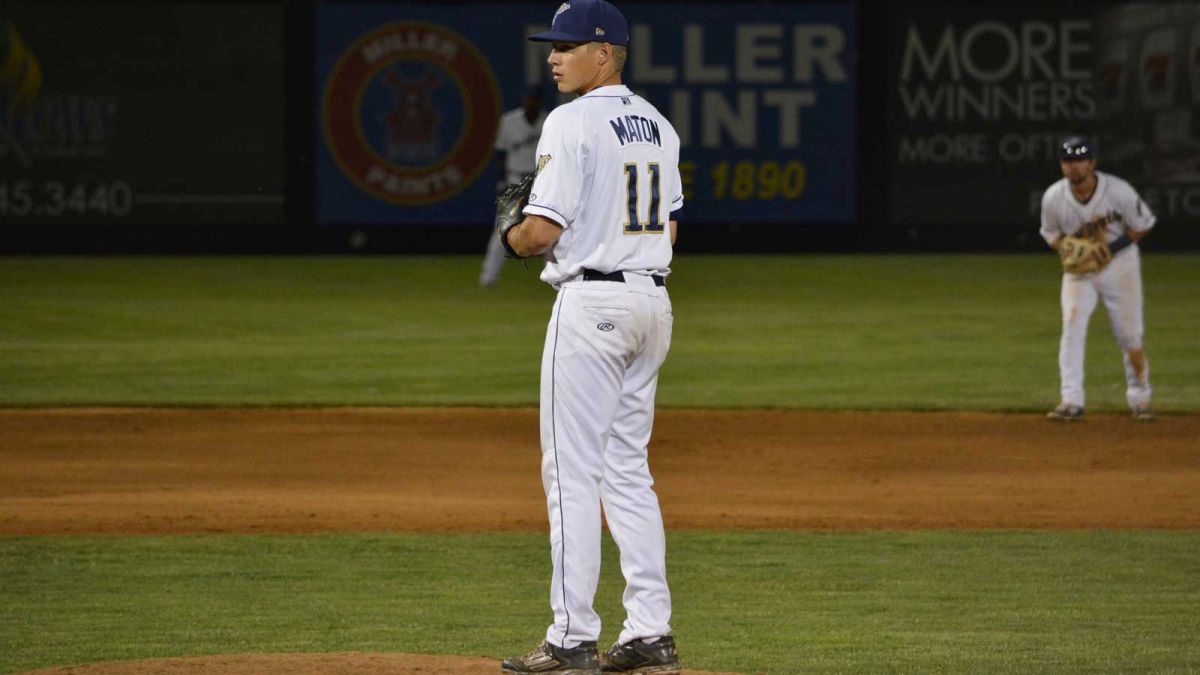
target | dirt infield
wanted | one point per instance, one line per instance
(138, 471)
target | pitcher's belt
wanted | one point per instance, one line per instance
(594, 275)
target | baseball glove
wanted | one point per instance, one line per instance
(508, 211)
(1082, 256)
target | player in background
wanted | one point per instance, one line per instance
(1090, 203)
(516, 143)
(600, 212)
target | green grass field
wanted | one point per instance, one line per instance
(821, 332)
(1005, 602)
(825, 332)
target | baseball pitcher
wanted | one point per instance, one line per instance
(600, 212)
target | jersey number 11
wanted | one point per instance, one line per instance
(633, 200)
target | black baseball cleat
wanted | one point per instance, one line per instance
(550, 660)
(1065, 412)
(642, 658)
(1143, 413)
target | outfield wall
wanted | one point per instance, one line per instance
(316, 126)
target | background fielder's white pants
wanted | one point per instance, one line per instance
(493, 261)
(605, 343)
(1119, 285)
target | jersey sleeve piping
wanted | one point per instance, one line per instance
(546, 212)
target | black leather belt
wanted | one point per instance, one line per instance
(595, 275)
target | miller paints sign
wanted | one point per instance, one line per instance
(410, 112)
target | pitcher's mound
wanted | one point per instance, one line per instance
(293, 664)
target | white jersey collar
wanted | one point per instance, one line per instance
(1096, 191)
(609, 90)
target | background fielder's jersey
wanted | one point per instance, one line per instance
(608, 173)
(518, 139)
(1114, 206)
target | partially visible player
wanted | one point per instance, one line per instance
(600, 212)
(516, 144)
(1091, 204)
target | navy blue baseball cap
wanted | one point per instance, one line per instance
(1076, 148)
(586, 21)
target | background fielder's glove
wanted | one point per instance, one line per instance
(1081, 256)
(508, 211)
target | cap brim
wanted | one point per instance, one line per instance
(558, 36)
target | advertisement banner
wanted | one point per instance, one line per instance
(1148, 65)
(409, 96)
(980, 96)
(141, 114)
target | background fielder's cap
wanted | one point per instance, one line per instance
(1076, 147)
(586, 21)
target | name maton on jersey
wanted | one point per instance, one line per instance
(636, 129)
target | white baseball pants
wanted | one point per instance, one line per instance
(493, 261)
(605, 343)
(1119, 285)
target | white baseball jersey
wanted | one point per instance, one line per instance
(1114, 204)
(518, 139)
(607, 152)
